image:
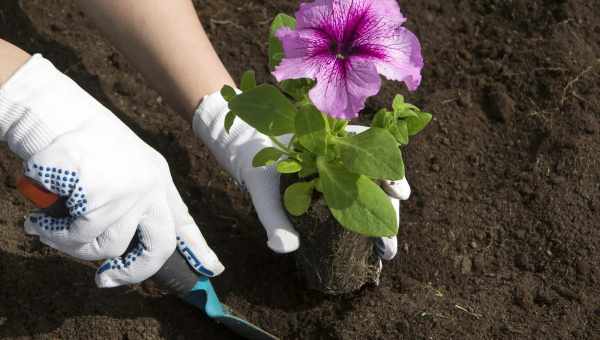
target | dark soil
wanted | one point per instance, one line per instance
(500, 239)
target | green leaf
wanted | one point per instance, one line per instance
(383, 119)
(289, 166)
(318, 186)
(398, 102)
(407, 113)
(275, 46)
(297, 197)
(379, 119)
(418, 123)
(340, 125)
(309, 164)
(400, 131)
(229, 119)
(356, 201)
(311, 129)
(266, 156)
(228, 93)
(266, 109)
(373, 153)
(297, 88)
(307, 171)
(248, 81)
(406, 120)
(403, 109)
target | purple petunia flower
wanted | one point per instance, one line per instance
(345, 45)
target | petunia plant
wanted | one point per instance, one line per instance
(327, 61)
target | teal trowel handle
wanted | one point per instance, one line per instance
(178, 277)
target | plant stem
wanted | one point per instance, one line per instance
(291, 143)
(281, 145)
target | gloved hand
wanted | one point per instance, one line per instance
(235, 150)
(114, 184)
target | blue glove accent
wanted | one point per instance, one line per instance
(123, 262)
(191, 258)
(64, 183)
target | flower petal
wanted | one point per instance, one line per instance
(313, 14)
(388, 10)
(343, 86)
(302, 42)
(403, 61)
(319, 12)
(303, 51)
(295, 68)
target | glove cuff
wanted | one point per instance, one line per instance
(18, 126)
(32, 106)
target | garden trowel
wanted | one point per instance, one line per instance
(176, 275)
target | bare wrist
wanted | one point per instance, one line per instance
(12, 59)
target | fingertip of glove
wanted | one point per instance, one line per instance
(283, 241)
(398, 189)
(29, 225)
(211, 268)
(104, 281)
(217, 269)
(386, 248)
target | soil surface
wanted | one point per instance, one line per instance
(500, 239)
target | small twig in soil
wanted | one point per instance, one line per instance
(436, 291)
(226, 22)
(448, 101)
(554, 69)
(578, 96)
(512, 330)
(438, 315)
(574, 81)
(475, 315)
(229, 218)
(564, 22)
(264, 22)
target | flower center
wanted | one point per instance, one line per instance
(341, 50)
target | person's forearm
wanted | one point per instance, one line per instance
(165, 41)
(11, 58)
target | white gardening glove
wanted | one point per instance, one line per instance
(114, 184)
(234, 152)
